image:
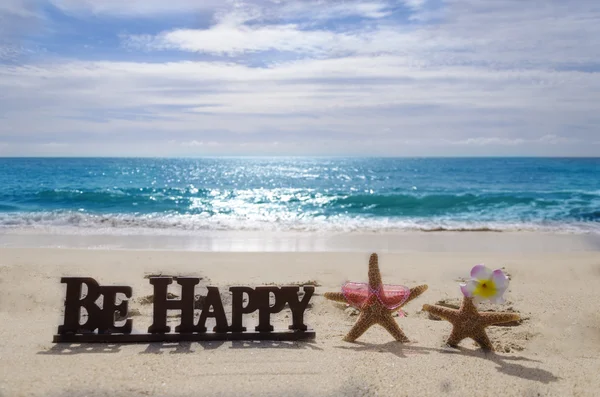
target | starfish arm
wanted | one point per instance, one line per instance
(392, 327)
(335, 296)
(498, 318)
(480, 336)
(362, 324)
(416, 292)
(456, 336)
(443, 312)
(374, 273)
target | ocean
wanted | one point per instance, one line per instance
(164, 196)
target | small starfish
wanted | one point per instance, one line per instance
(467, 322)
(373, 310)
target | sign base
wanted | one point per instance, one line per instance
(176, 337)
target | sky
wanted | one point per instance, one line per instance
(300, 77)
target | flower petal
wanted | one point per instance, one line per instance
(498, 299)
(481, 272)
(468, 288)
(500, 280)
(477, 299)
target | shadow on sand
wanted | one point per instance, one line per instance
(192, 347)
(175, 347)
(506, 364)
(81, 348)
(509, 365)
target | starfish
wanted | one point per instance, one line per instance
(467, 322)
(376, 307)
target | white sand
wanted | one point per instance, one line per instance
(555, 352)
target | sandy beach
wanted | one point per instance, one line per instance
(553, 352)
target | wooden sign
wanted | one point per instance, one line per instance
(100, 325)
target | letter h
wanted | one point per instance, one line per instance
(162, 304)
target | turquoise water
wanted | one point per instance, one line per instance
(312, 194)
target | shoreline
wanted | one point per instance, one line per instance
(247, 241)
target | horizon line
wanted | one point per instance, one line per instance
(299, 156)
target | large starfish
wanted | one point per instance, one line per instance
(467, 322)
(373, 310)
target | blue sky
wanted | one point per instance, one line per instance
(299, 77)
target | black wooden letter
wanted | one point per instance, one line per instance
(162, 304)
(297, 307)
(237, 306)
(213, 300)
(109, 308)
(74, 302)
(262, 297)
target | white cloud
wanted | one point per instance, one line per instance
(500, 34)
(546, 139)
(488, 141)
(312, 9)
(326, 10)
(136, 7)
(227, 39)
(298, 147)
(340, 99)
(19, 9)
(557, 140)
(17, 17)
(251, 29)
(236, 39)
(414, 4)
(8, 52)
(510, 31)
(302, 86)
(199, 143)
